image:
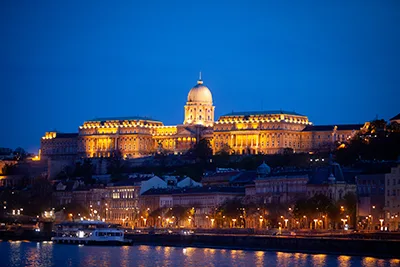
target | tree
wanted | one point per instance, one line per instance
(394, 127)
(288, 151)
(202, 150)
(377, 143)
(116, 166)
(316, 207)
(350, 202)
(376, 126)
(234, 209)
(84, 170)
(19, 153)
(8, 169)
(179, 214)
(157, 215)
(74, 209)
(38, 199)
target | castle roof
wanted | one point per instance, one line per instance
(265, 112)
(397, 117)
(323, 128)
(133, 118)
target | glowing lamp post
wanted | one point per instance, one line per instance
(212, 222)
(315, 223)
(286, 223)
(261, 221)
(381, 221)
(344, 223)
(144, 220)
(306, 221)
(233, 221)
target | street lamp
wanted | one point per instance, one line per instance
(381, 221)
(144, 220)
(315, 222)
(372, 221)
(261, 220)
(234, 221)
(212, 222)
(286, 222)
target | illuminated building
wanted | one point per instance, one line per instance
(258, 132)
(270, 132)
(395, 119)
(56, 145)
(123, 205)
(392, 199)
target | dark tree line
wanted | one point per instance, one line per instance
(379, 142)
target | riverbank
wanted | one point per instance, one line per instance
(387, 248)
(314, 245)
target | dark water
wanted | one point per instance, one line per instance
(45, 254)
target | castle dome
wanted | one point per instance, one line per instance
(200, 93)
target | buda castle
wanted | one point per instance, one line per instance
(250, 132)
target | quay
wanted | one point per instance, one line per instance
(373, 246)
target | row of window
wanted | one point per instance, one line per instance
(393, 182)
(393, 192)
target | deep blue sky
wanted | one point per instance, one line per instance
(63, 62)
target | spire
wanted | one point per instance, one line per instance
(200, 81)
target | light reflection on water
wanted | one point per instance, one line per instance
(318, 260)
(17, 254)
(344, 261)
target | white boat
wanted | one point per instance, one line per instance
(89, 233)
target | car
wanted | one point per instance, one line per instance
(187, 232)
(166, 232)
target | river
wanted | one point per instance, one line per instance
(43, 254)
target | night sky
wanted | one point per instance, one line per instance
(63, 62)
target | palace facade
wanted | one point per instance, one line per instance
(258, 132)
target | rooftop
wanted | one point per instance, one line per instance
(311, 128)
(265, 112)
(397, 117)
(66, 135)
(134, 118)
(195, 190)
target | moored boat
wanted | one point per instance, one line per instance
(89, 233)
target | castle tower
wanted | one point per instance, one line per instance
(199, 109)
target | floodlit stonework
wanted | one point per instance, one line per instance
(257, 132)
